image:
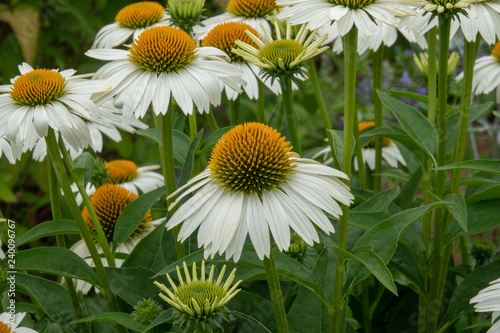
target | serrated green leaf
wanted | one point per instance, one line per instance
(133, 214)
(373, 262)
(50, 228)
(55, 260)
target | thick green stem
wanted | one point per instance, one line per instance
(279, 117)
(211, 120)
(359, 154)
(378, 58)
(235, 111)
(286, 88)
(431, 75)
(261, 101)
(440, 215)
(193, 127)
(275, 291)
(471, 49)
(350, 44)
(55, 205)
(100, 236)
(54, 155)
(168, 168)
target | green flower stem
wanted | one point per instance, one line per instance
(99, 233)
(54, 155)
(286, 88)
(279, 117)
(313, 77)
(167, 166)
(275, 291)
(440, 215)
(431, 75)
(350, 44)
(471, 49)
(378, 57)
(211, 120)
(55, 205)
(261, 101)
(235, 112)
(193, 127)
(359, 154)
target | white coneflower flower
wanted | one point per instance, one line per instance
(224, 36)
(163, 62)
(112, 119)
(252, 12)
(109, 201)
(131, 20)
(283, 57)
(6, 325)
(43, 98)
(488, 300)
(6, 149)
(390, 152)
(361, 13)
(199, 301)
(255, 184)
(128, 175)
(486, 73)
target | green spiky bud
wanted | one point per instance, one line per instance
(146, 311)
(185, 14)
(298, 248)
(482, 250)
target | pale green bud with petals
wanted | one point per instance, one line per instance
(185, 14)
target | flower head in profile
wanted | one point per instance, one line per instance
(43, 98)
(256, 185)
(164, 62)
(252, 12)
(422, 62)
(346, 13)
(128, 175)
(486, 73)
(186, 14)
(390, 152)
(199, 301)
(224, 36)
(283, 57)
(488, 300)
(109, 201)
(9, 323)
(131, 20)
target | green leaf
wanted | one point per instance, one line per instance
(405, 199)
(133, 214)
(373, 262)
(180, 141)
(84, 163)
(479, 165)
(453, 122)
(416, 97)
(187, 170)
(55, 260)
(124, 319)
(259, 308)
(338, 145)
(212, 139)
(489, 193)
(6, 194)
(50, 228)
(52, 298)
(497, 113)
(379, 202)
(163, 317)
(470, 286)
(481, 216)
(413, 122)
(458, 210)
(410, 263)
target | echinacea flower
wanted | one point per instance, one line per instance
(43, 98)
(199, 301)
(255, 184)
(252, 12)
(488, 300)
(283, 57)
(112, 119)
(131, 20)
(128, 175)
(347, 13)
(10, 323)
(109, 201)
(486, 73)
(164, 62)
(390, 152)
(224, 36)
